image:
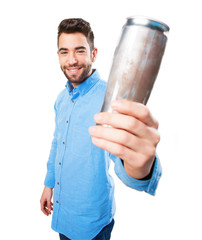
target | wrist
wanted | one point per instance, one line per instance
(148, 177)
(143, 174)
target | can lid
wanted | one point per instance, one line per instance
(148, 22)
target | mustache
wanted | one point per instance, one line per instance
(70, 66)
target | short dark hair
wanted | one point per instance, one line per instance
(73, 25)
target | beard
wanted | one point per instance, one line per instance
(85, 71)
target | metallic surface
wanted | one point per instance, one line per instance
(137, 60)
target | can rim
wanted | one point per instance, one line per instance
(148, 22)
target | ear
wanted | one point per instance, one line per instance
(94, 54)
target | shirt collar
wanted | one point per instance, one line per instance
(85, 86)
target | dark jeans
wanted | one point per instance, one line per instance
(105, 233)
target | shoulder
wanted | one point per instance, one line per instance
(99, 89)
(101, 85)
(100, 82)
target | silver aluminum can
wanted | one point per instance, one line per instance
(136, 62)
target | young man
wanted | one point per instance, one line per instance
(80, 155)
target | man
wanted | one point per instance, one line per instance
(80, 155)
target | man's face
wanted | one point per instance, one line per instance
(75, 57)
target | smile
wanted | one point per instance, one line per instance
(73, 70)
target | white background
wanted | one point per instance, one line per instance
(30, 80)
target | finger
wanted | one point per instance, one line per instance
(123, 138)
(127, 123)
(136, 110)
(49, 207)
(43, 208)
(118, 150)
(137, 163)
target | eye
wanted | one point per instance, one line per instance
(64, 52)
(81, 51)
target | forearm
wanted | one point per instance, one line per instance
(50, 176)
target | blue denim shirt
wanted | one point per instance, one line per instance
(78, 170)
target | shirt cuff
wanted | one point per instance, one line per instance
(50, 180)
(149, 186)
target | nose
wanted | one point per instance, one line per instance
(72, 58)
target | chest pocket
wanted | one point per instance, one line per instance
(80, 141)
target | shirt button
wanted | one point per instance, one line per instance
(57, 202)
(63, 142)
(59, 163)
(73, 101)
(67, 121)
(58, 183)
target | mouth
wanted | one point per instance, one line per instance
(73, 70)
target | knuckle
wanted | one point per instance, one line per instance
(155, 136)
(158, 138)
(157, 124)
(133, 123)
(125, 137)
(149, 153)
(145, 112)
(120, 151)
(152, 151)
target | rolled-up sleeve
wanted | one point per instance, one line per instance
(50, 175)
(149, 186)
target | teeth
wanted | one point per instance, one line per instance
(73, 70)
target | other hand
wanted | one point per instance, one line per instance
(46, 204)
